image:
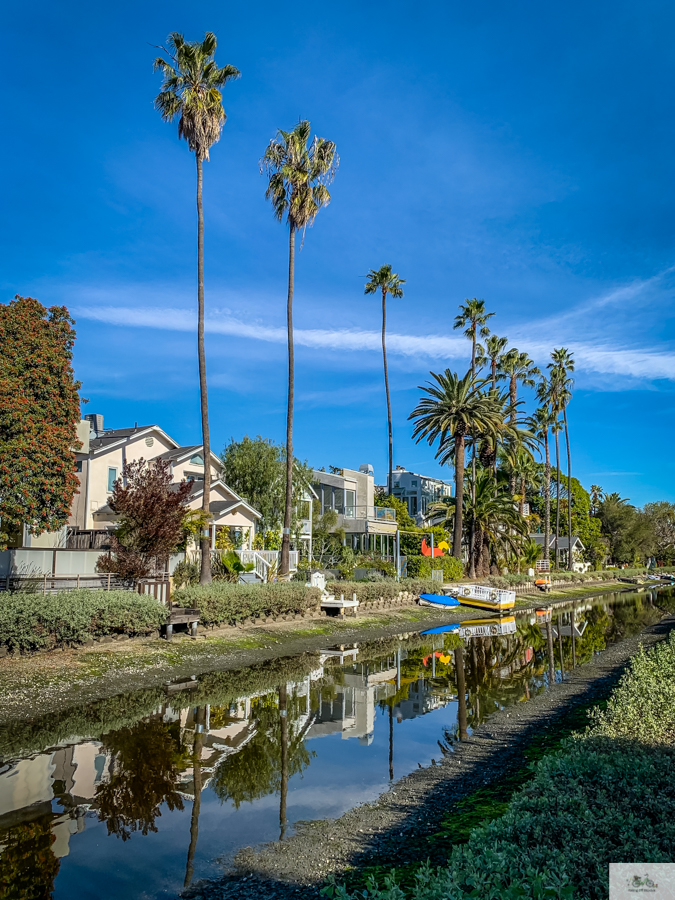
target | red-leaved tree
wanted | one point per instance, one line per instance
(151, 507)
(39, 412)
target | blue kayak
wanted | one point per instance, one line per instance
(443, 629)
(439, 601)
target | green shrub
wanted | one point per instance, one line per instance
(38, 621)
(221, 602)
(643, 705)
(606, 796)
(420, 567)
(371, 591)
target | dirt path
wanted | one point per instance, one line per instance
(390, 829)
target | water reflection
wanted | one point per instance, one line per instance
(237, 758)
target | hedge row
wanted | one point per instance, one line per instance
(222, 602)
(372, 591)
(40, 621)
(607, 796)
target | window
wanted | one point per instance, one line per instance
(413, 482)
(197, 460)
(412, 503)
(338, 495)
(194, 476)
(112, 478)
(350, 503)
(78, 465)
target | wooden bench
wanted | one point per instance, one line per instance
(181, 615)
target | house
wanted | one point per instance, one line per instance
(99, 463)
(563, 549)
(418, 492)
(368, 528)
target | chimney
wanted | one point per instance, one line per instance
(96, 422)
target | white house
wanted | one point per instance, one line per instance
(100, 461)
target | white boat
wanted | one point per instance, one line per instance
(483, 597)
(488, 627)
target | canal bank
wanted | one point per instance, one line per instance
(422, 814)
(140, 794)
(62, 679)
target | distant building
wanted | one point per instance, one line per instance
(418, 492)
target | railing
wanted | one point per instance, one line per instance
(159, 588)
(379, 513)
(50, 584)
(88, 540)
(264, 559)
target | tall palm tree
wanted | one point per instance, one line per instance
(298, 174)
(542, 421)
(191, 89)
(562, 363)
(517, 367)
(452, 408)
(556, 428)
(491, 354)
(473, 317)
(387, 282)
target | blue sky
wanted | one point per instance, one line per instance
(521, 153)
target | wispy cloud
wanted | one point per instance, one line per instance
(601, 358)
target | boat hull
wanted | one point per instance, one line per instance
(487, 604)
(439, 601)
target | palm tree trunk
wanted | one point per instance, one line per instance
(547, 499)
(461, 693)
(283, 723)
(551, 657)
(570, 560)
(472, 537)
(494, 373)
(200, 719)
(459, 496)
(557, 499)
(205, 542)
(284, 567)
(391, 741)
(513, 399)
(386, 388)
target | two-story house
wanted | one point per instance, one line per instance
(99, 463)
(418, 492)
(368, 528)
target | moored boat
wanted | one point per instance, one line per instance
(440, 601)
(483, 597)
(488, 627)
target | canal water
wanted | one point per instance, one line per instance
(137, 796)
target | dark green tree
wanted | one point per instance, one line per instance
(147, 760)
(256, 470)
(39, 412)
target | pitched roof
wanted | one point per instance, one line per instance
(178, 452)
(121, 435)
